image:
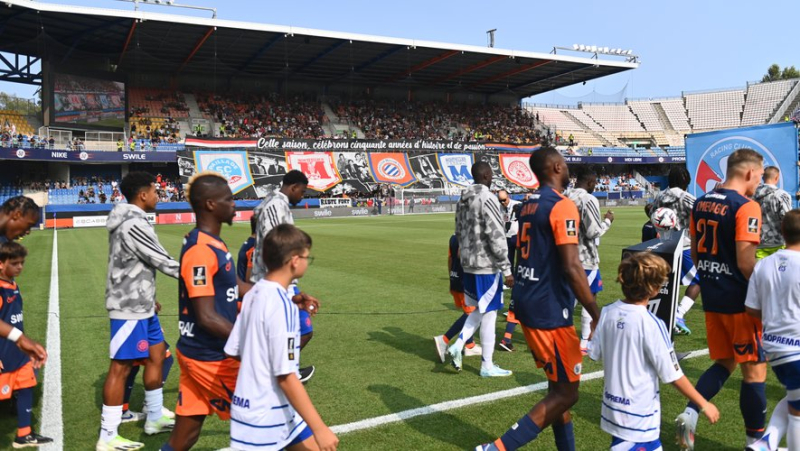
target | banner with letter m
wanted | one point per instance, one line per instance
(456, 167)
(231, 165)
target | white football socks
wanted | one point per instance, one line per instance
(793, 433)
(487, 339)
(470, 326)
(154, 401)
(778, 423)
(109, 422)
(684, 306)
(586, 327)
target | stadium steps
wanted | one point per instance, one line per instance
(194, 108)
(778, 115)
(597, 135)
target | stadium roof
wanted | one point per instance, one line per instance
(146, 42)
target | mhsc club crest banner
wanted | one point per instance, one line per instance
(456, 167)
(317, 166)
(391, 168)
(707, 154)
(231, 165)
(516, 168)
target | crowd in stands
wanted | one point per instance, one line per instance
(253, 116)
(384, 119)
(173, 101)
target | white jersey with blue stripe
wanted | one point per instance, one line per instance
(266, 337)
(636, 351)
(773, 289)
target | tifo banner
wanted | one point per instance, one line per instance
(516, 168)
(234, 166)
(456, 167)
(391, 168)
(707, 154)
(317, 166)
(356, 145)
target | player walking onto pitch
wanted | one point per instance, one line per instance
(271, 409)
(549, 276)
(592, 228)
(274, 210)
(774, 203)
(636, 351)
(725, 229)
(773, 297)
(484, 257)
(457, 291)
(134, 255)
(207, 294)
(681, 202)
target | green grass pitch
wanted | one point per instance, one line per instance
(384, 291)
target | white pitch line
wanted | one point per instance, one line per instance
(370, 423)
(52, 413)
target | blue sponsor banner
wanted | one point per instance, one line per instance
(623, 160)
(456, 167)
(233, 165)
(87, 156)
(707, 154)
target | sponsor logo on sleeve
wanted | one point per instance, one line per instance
(199, 276)
(752, 225)
(291, 348)
(571, 229)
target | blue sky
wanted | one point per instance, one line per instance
(683, 45)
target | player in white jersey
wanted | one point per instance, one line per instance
(636, 352)
(774, 297)
(591, 229)
(681, 202)
(270, 409)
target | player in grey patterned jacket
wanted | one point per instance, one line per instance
(483, 250)
(134, 255)
(775, 203)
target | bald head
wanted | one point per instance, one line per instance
(482, 173)
(549, 167)
(204, 187)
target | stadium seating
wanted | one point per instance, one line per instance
(763, 99)
(154, 103)
(646, 113)
(675, 112)
(613, 118)
(715, 110)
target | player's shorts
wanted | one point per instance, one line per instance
(131, 339)
(458, 299)
(595, 280)
(734, 336)
(142, 362)
(305, 323)
(558, 351)
(688, 271)
(304, 435)
(764, 252)
(618, 444)
(21, 378)
(205, 388)
(789, 376)
(484, 291)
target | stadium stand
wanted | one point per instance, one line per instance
(762, 99)
(646, 113)
(614, 118)
(157, 103)
(715, 110)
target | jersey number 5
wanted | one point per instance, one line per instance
(704, 229)
(524, 241)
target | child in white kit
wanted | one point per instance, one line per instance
(270, 408)
(636, 351)
(773, 295)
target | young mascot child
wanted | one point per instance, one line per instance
(636, 352)
(271, 408)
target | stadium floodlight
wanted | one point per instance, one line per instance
(594, 48)
(605, 49)
(582, 48)
(575, 46)
(630, 52)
